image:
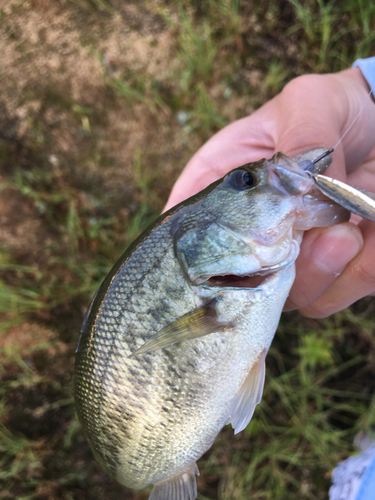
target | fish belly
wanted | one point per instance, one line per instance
(185, 405)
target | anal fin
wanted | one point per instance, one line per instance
(194, 324)
(182, 486)
(249, 395)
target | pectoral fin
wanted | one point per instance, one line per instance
(194, 324)
(249, 395)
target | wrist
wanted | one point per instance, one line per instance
(356, 89)
(367, 67)
(356, 75)
(359, 112)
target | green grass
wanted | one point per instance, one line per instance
(319, 387)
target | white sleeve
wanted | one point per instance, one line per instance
(353, 479)
(367, 66)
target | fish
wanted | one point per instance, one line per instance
(173, 345)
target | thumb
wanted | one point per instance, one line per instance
(325, 252)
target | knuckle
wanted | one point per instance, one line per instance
(304, 86)
(364, 275)
(297, 299)
(317, 312)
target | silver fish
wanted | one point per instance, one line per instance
(173, 346)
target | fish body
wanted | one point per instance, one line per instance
(173, 346)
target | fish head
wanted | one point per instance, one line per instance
(250, 223)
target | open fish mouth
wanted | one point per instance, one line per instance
(233, 281)
(257, 278)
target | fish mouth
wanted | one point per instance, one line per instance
(256, 278)
(233, 281)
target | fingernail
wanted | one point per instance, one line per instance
(336, 247)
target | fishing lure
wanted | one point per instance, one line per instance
(358, 201)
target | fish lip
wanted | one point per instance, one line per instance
(289, 178)
(267, 272)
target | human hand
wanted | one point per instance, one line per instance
(336, 264)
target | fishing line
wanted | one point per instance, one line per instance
(308, 165)
(350, 126)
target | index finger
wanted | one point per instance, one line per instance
(243, 141)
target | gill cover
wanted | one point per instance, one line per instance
(246, 223)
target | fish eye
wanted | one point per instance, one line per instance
(241, 180)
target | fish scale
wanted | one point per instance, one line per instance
(166, 358)
(111, 348)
